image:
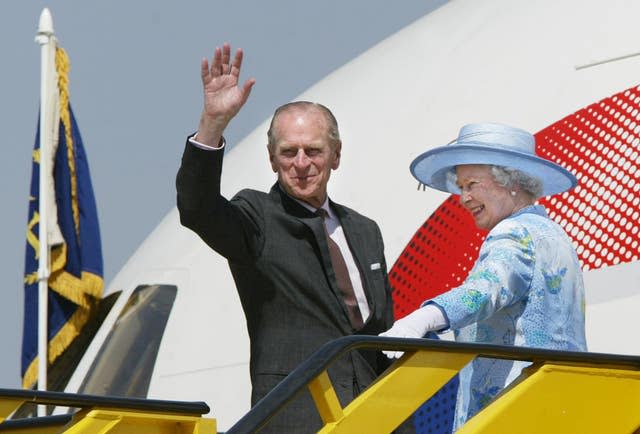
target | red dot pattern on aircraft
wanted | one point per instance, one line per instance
(600, 144)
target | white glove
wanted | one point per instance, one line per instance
(415, 325)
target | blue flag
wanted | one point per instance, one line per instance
(75, 283)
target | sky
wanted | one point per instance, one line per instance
(136, 94)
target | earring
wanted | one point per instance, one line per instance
(513, 193)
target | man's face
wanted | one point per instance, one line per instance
(487, 201)
(303, 156)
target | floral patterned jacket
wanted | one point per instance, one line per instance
(525, 289)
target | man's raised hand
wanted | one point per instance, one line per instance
(223, 98)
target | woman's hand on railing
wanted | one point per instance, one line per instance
(415, 325)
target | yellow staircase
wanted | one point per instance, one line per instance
(560, 392)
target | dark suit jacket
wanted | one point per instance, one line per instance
(278, 255)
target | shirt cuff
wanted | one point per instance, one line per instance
(199, 145)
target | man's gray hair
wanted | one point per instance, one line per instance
(332, 123)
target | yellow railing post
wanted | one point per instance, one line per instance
(325, 398)
(388, 402)
(8, 406)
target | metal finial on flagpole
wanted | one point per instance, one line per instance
(45, 27)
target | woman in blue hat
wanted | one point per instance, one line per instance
(526, 287)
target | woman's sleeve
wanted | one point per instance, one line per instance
(501, 277)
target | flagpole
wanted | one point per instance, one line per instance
(46, 40)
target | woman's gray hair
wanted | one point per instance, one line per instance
(509, 178)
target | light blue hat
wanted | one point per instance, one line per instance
(495, 144)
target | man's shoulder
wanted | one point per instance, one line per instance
(251, 193)
(256, 198)
(343, 210)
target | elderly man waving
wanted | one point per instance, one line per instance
(307, 269)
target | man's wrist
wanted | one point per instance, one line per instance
(198, 144)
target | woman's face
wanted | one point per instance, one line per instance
(487, 201)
